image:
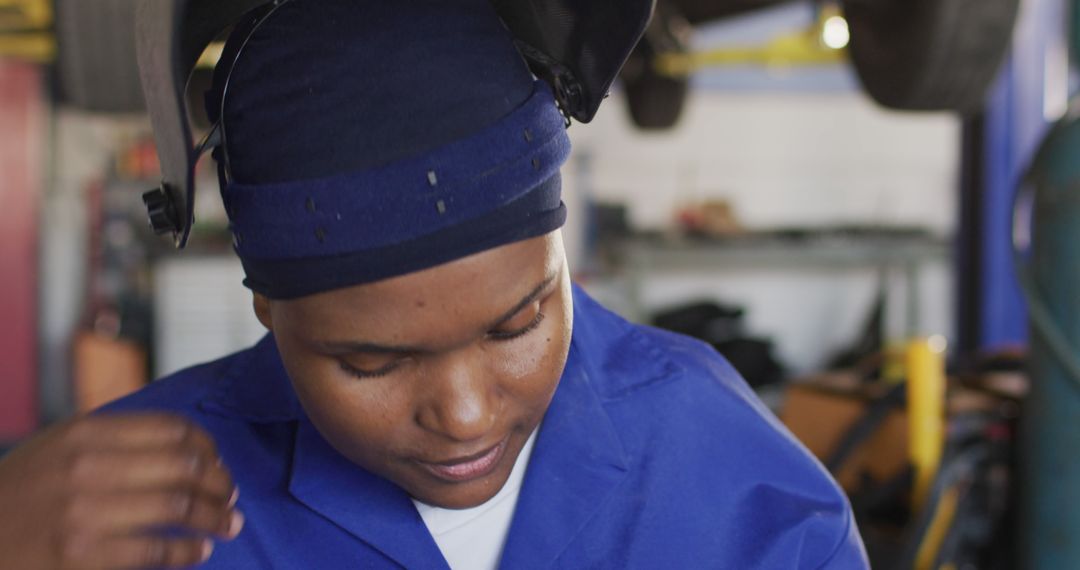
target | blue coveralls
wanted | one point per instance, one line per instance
(654, 454)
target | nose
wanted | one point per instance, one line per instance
(459, 399)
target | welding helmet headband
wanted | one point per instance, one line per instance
(456, 149)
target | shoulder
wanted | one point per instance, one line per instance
(671, 388)
(626, 358)
(249, 385)
(244, 402)
(699, 436)
(181, 392)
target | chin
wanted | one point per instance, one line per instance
(466, 495)
(439, 491)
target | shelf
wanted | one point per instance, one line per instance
(902, 252)
(770, 250)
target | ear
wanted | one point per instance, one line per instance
(261, 304)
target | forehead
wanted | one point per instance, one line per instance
(463, 293)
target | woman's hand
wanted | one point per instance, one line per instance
(98, 493)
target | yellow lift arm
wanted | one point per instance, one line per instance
(26, 30)
(822, 43)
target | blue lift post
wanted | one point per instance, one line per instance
(1050, 450)
(1017, 117)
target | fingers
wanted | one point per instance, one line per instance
(136, 553)
(121, 491)
(180, 467)
(132, 513)
(139, 431)
(128, 476)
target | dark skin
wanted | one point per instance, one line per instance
(433, 367)
(402, 376)
(82, 494)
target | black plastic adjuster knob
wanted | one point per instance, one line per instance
(159, 206)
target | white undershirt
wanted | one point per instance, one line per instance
(473, 539)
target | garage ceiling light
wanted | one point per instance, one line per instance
(835, 33)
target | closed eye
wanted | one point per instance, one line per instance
(507, 335)
(364, 374)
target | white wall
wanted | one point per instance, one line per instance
(203, 311)
(783, 159)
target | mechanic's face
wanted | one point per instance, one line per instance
(434, 380)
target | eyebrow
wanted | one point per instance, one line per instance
(352, 347)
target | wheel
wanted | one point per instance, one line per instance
(656, 101)
(96, 66)
(929, 54)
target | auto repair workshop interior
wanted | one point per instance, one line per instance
(871, 208)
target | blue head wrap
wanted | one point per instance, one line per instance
(365, 139)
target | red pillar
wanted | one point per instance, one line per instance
(22, 125)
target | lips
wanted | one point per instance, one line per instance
(470, 467)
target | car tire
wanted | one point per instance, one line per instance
(96, 69)
(930, 55)
(656, 101)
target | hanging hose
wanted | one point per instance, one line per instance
(1042, 319)
(1049, 507)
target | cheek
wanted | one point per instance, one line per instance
(528, 359)
(534, 364)
(345, 410)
